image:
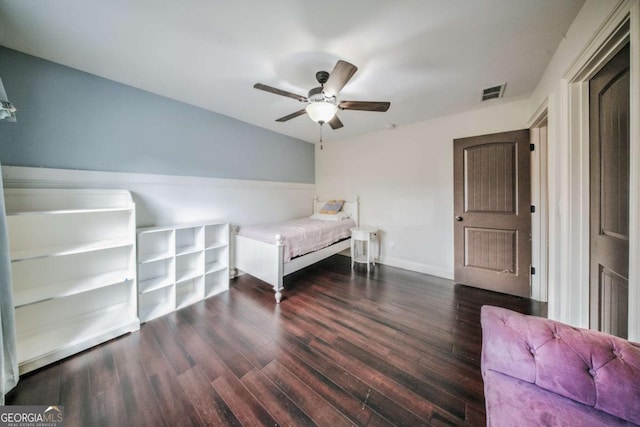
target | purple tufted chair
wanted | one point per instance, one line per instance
(538, 372)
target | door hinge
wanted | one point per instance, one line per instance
(533, 209)
(533, 270)
(532, 147)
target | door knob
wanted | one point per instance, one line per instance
(458, 218)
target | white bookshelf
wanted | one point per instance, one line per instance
(179, 265)
(73, 268)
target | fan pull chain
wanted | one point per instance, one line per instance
(321, 135)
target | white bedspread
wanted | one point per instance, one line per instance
(302, 235)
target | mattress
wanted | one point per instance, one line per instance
(302, 235)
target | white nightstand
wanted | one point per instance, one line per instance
(366, 235)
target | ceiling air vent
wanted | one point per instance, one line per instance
(493, 92)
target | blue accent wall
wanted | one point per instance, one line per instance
(70, 119)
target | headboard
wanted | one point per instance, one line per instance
(352, 207)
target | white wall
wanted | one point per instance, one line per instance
(404, 177)
(166, 199)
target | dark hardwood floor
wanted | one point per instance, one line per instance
(344, 348)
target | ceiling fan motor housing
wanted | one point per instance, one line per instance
(322, 77)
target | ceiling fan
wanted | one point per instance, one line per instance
(322, 105)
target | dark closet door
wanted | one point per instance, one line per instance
(492, 209)
(609, 196)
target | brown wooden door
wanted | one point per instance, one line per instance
(609, 196)
(492, 212)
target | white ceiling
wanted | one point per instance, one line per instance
(429, 58)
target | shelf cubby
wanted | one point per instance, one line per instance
(189, 240)
(157, 302)
(156, 246)
(189, 266)
(215, 282)
(156, 274)
(179, 265)
(189, 291)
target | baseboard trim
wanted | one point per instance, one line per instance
(417, 267)
(412, 266)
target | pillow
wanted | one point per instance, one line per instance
(332, 207)
(331, 217)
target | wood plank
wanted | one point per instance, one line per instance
(210, 406)
(369, 396)
(177, 408)
(153, 358)
(231, 357)
(206, 359)
(173, 349)
(247, 340)
(140, 401)
(281, 407)
(108, 408)
(102, 370)
(343, 401)
(318, 409)
(452, 381)
(400, 385)
(244, 405)
(75, 390)
(343, 327)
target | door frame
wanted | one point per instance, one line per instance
(569, 270)
(540, 199)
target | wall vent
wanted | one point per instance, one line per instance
(493, 92)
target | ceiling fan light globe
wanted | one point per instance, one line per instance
(321, 111)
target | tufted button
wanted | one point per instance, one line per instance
(532, 351)
(617, 354)
(592, 373)
(556, 336)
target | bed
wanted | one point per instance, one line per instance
(273, 251)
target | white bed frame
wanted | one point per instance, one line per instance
(266, 260)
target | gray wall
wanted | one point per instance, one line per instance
(70, 119)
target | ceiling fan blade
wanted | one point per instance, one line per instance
(292, 115)
(280, 92)
(341, 74)
(335, 123)
(364, 106)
